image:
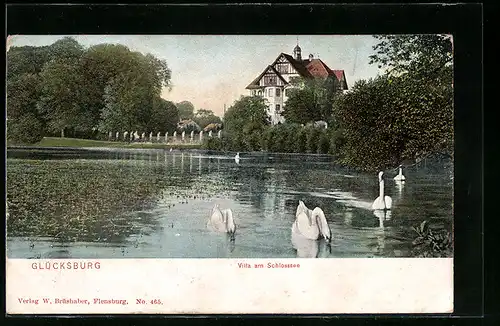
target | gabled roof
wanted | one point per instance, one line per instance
(340, 74)
(318, 68)
(255, 83)
(297, 65)
(341, 77)
(305, 68)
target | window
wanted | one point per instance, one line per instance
(277, 108)
(282, 68)
(270, 80)
(260, 93)
(270, 92)
(278, 92)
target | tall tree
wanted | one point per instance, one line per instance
(405, 113)
(25, 123)
(83, 89)
(424, 63)
(310, 100)
(421, 54)
(66, 50)
(164, 116)
(128, 103)
(186, 110)
(248, 112)
(26, 60)
(61, 101)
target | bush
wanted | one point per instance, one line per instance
(313, 136)
(292, 133)
(337, 141)
(301, 145)
(268, 139)
(213, 143)
(253, 141)
(324, 143)
(236, 142)
(27, 129)
(280, 139)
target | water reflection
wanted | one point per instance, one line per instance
(307, 248)
(382, 216)
(93, 202)
(348, 217)
(399, 186)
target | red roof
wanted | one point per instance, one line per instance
(339, 74)
(317, 68)
(306, 68)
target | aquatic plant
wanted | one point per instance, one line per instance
(431, 242)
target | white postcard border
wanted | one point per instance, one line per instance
(224, 286)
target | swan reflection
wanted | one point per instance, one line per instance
(307, 248)
(382, 216)
(348, 217)
(380, 234)
(399, 186)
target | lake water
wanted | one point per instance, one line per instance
(156, 203)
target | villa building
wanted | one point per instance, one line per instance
(274, 82)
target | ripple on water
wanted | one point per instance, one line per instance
(143, 205)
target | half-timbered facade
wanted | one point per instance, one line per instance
(274, 82)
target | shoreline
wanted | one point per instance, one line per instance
(149, 148)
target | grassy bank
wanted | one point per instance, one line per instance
(75, 142)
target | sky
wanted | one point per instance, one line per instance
(211, 71)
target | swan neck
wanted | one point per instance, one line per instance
(400, 171)
(381, 185)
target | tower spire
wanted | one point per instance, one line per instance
(297, 51)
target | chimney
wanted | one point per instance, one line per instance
(311, 57)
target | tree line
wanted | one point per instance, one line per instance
(66, 89)
(404, 113)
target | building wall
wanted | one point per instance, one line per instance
(269, 91)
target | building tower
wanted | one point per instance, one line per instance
(297, 53)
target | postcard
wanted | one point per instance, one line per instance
(229, 174)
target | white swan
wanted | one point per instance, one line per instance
(237, 158)
(311, 224)
(306, 248)
(222, 221)
(382, 202)
(400, 176)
